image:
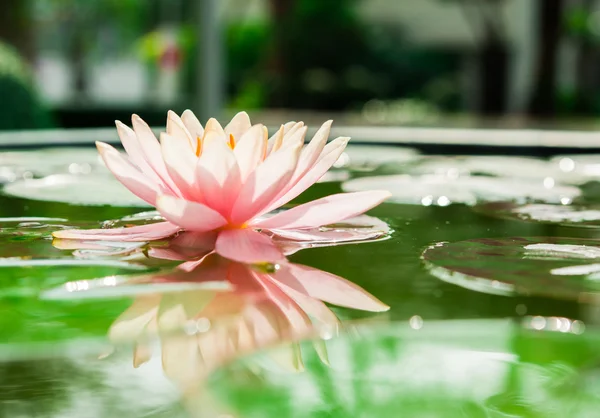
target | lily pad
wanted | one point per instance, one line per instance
(370, 157)
(45, 162)
(586, 167)
(495, 166)
(563, 268)
(335, 176)
(439, 190)
(98, 189)
(583, 216)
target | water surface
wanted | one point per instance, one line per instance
(444, 348)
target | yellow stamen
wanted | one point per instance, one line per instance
(231, 143)
(198, 146)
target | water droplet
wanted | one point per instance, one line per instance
(548, 182)
(267, 267)
(577, 327)
(326, 334)
(443, 201)
(416, 322)
(538, 322)
(203, 325)
(566, 164)
(564, 325)
(74, 168)
(190, 327)
(552, 324)
(151, 215)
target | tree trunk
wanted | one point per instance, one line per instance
(280, 11)
(543, 99)
(280, 8)
(584, 70)
(494, 77)
(15, 26)
(77, 55)
(493, 58)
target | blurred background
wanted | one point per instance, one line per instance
(85, 63)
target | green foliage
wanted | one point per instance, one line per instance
(246, 52)
(130, 17)
(321, 56)
(20, 107)
(11, 65)
(130, 14)
(82, 18)
(252, 95)
(152, 46)
(577, 22)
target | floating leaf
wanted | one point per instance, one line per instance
(495, 166)
(334, 176)
(438, 190)
(584, 216)
(564, 268)
(94, 190)
(48, 161)
(370, 157)
(585, 166)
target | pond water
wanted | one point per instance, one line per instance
(494, 307)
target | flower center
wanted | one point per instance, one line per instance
(230, 143)
(234, 226)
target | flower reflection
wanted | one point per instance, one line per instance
(199, 330)
(268, 304)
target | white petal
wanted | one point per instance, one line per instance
(238, 126)
(180, 162)
(250, 150)
(137, 182)
(177, 129)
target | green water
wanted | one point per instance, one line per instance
(440, 351)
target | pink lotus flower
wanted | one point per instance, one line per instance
(226, 180)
